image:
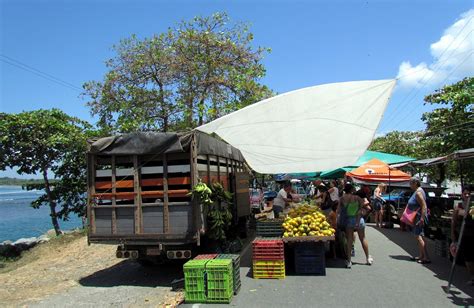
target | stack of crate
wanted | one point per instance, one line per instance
(236, 267)
(195, 281)
(270, 228)
(268, 258)
(220, 281)
(209, 256)
(310, 258)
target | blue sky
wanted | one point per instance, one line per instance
(313, 42)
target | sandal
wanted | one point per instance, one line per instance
(424, 261)
(415, 259)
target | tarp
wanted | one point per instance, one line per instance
(335, 173)
(317, 128)
(143, 143)
(378, 171)
(368, 155)
(385, 157)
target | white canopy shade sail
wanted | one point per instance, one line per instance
(311, 129)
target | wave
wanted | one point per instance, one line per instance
(6, 200)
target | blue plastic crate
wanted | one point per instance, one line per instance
(308, 249)
(310, 265)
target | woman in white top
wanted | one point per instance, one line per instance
(333, 191)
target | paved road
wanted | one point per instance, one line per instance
(392, 281)
(126, 284)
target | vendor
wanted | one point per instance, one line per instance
(466, 249)
(267, 211)
(282, 199)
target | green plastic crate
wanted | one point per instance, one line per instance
(195, 281)
(220, 280)
(236, 265)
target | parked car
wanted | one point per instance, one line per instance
(398, 197)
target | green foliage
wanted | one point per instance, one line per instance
(192, 73)
(48, 142)
(217, 205)
(449, 127)
(399, 142)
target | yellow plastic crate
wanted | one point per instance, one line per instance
(268, 269)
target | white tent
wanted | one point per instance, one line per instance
(311, 129)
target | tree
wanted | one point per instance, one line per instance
(48, 142)
(399, 142)
(193, 73)
(449, 127)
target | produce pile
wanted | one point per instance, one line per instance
(306, 221)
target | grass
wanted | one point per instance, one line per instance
(35, 253)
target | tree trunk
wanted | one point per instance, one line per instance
(52, 204)
(442, 175)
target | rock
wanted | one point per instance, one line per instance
(6, 243)
(43, 238)
(26, 241)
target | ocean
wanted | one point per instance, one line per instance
(19, 220)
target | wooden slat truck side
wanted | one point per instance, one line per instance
(138, 187)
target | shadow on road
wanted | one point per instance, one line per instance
(440, 266)
(130, 273)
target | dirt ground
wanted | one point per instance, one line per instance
(67, 265)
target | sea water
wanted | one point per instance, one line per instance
(19, 220)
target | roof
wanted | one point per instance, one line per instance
(366, 157)
(385, 157)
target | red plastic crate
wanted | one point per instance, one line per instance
(268, 249)
(206, 256)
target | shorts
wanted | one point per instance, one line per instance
(350, 222)
(277, 210)
(418, 230)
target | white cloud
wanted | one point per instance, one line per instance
(453, 57)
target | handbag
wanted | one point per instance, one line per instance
(409, 215)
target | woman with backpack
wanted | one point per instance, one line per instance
(350, 219)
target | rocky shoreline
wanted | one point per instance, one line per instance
(9, 249)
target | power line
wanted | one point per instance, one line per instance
(445, 79)
(437, 65)
(30, 69)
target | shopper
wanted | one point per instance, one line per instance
(418, 202)
(332, 219)
(333, 192)
(282, 199)
(349, 213)
(378, 204)
(466, 249)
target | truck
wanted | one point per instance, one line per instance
(139, 188)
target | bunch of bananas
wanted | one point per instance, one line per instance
(203, 193)
(307, 222)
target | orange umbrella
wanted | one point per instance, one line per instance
(377, 171)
